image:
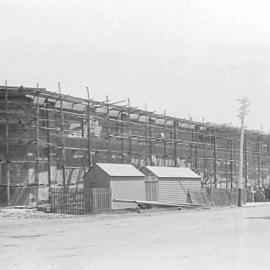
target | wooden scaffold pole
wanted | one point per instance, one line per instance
(146, 135)
(62, 127)
(231, 161)
(108, 129)
(37, 148)
(245, 162)
(47, 115)
(175, 124)
(204, 157)
(129, 133)
(191, 145)
(150, 141)
(7, 147)
(215, 160)
(226, 163)
(196, 146)
(164, 139)
(122, 138)
(259, 160)
(90, 162)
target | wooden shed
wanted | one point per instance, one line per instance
(174, 184)
(126, 182)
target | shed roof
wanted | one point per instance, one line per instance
(120, 169)
(172, 172)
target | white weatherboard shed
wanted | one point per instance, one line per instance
(173, 183)
(126, 182)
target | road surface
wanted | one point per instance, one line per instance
(224, 238)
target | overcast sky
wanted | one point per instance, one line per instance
(188, 57)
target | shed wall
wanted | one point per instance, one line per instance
(176, 190)
(127, 189)
(96, 178)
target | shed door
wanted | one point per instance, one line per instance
(151, 190)
(172, 191)
(129, 189)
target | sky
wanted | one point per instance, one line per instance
(190, 58)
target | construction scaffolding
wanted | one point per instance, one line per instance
(50, 139)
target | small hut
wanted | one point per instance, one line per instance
(173, 184)
(126, 182)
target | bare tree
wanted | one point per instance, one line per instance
(243, 112)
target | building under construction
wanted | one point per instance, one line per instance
(50, 139)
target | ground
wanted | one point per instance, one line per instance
(221, 238)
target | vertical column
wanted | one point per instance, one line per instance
(245, 162)
(62, 127)
(164, 139)
(175, 124)
(226, 163)
(215, 160)
(48, 147)
(196, 146)
(231, 161)
(108, 135)
(146, 135)
(7, 147)
(254, 156)
(150, 140)
(191, 149)
(204, 156)
(90, 161)
(259, 159)
(37, 148)
(82, 127)
(129, 133)
(122, 138)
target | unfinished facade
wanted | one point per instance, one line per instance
(49, 139)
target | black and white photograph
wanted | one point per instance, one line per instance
(134, 135)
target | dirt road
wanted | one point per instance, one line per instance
(228, 238)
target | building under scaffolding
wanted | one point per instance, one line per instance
(50, 139)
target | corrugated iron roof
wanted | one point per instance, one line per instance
(172, 172)
(120, 169)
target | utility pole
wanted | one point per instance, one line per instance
(243, 111)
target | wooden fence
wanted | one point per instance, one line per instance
(101, 199)
(78, 201)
